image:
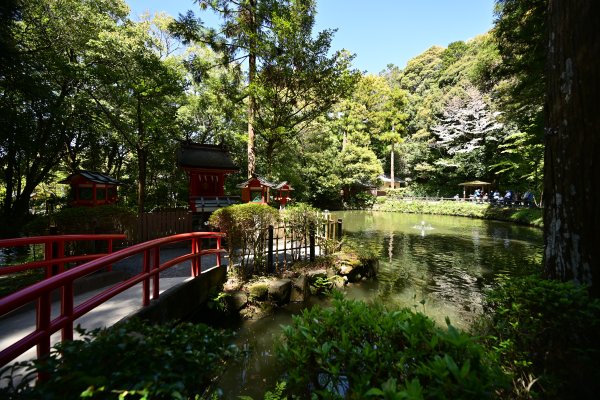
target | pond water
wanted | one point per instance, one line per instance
(438, 265)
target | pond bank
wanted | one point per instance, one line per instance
(519, 215)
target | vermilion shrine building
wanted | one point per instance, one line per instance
(259, 190)
(206, 167)
(92, 189)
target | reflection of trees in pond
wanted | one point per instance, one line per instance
(450, 266)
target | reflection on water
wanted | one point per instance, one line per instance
(438, 265)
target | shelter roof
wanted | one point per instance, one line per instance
(193, 155)
(385, 178)
(282, 184)
(260, 179)
(92, 176)
(474, 183)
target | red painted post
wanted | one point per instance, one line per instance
(44, 309)
(61, 254)
(219, 253)
(146, 281)
(48, 245)
(194, 250)
(109, 250)
(199, 258)
(155, 277)
(67, 310)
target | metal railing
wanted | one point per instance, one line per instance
(149, 277)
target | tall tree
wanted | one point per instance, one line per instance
(41, 91)
(571, 216)
(291, 78)
(137, 91)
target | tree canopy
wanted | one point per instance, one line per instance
(118, 96)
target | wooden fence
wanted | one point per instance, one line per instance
(277, 247)
(159, 224)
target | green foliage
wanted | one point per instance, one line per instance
(547, 335)
(133, 360)
(246, 226)
(360, 201)
(361, 166)
(321, 285)
(354, 350)
(72, 220)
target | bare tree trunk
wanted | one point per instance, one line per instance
(571, 216)
(251, 98)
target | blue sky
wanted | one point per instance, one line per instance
(379, 32)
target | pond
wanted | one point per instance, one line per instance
(438, 265)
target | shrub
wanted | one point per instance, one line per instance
(72, 220)
(547, 332)
(360, 201)
(355, 350)
(298, 220)
(246, 227)
(132, 360)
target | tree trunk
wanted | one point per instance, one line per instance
(142, 172)
(392, 183)
(571, 216)
(251, 98)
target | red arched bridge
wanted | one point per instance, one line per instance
(60, 280)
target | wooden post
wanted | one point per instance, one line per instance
(311, 238)
(339, 229)
(270, 250)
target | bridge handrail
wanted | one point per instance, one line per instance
(41, 291)
(58, 259)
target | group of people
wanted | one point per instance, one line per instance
(509, 198)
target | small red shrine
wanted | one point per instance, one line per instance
(206, 167)
(92, 189)
(259, 190)
(283, 193)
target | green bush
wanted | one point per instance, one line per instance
(76, 220)
(547, 335)
(133, 360)
(355, 350)
(360, 201)
(246, 226)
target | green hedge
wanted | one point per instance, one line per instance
(525, 216)
(80, 220)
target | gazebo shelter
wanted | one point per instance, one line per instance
(92, 189)
(473, 184)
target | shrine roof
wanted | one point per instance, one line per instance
(92, 176)
(192, 155)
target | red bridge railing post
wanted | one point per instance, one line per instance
(155, 277)
(146, 280)
(66, 310)
(219, 253)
